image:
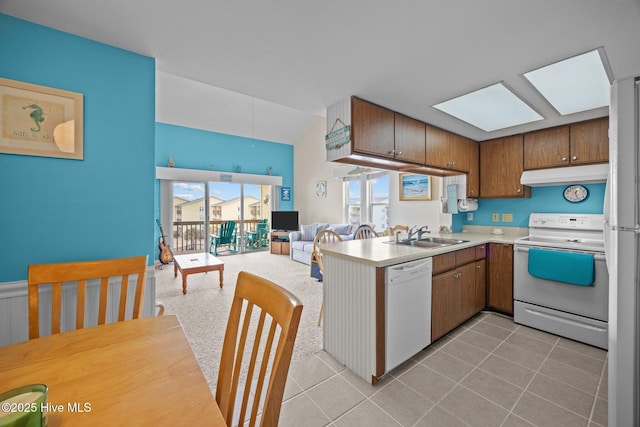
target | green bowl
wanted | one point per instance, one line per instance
(24, 406)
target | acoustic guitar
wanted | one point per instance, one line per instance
(165, 256)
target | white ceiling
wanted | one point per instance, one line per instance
(275, 66)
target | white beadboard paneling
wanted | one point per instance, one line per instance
(349, 323)
(340, 110)
(14, 315)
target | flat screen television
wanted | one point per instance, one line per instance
(284, 220)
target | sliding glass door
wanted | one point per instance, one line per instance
(247, 206)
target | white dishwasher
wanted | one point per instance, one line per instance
(408, 310)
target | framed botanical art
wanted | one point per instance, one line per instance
(40, 121)
(415, 187)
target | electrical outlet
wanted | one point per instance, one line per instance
(507, 217)
(495, 217)
(469, 216)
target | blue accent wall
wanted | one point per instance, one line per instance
(204, 150)
(543, 200)
(57, 210)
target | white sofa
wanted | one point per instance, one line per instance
(301, 242)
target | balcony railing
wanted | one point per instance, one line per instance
(190, 236)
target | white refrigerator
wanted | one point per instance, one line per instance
(622, 230)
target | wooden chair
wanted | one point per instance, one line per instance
(226, 236)
(265, 316)
(322, 238)
(397, 228)
(55, 275)
(365, 232)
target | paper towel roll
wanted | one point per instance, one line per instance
(467, 205)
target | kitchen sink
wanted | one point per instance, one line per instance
(428, 242)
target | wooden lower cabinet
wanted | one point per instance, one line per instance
(444, 303)
(454, 295)
(500, 277)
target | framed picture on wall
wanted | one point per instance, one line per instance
(40, 121)
(415, 186)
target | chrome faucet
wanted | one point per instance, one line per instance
(420, 231)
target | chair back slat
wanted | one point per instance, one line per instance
(269, 351)
(80, 273)
(82, 292)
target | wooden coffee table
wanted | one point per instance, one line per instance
(195, 263)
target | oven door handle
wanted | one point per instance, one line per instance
(596, 255)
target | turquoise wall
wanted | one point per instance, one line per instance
(204, 150)
(543, 199)
(103, 206)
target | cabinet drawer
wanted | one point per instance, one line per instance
(465, 256)
(481, 252)
(444, 262)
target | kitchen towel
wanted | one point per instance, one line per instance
(567, 267)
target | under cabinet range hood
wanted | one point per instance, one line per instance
(567, 175)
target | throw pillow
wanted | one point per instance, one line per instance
(308, 232)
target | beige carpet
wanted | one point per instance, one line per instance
(204, 310)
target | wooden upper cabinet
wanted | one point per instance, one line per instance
(590, 141)
(446, 150)
(501, 166)
(570, 145)
(438, 142)
(372, 128)
(409, 139)
(546, 148)
(473, 176)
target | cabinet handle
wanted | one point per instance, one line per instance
(391, 151)
(398, 153)
(478, 266)
(518, 190)
(574, 158)
(564, 159)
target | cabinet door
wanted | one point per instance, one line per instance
(500, 277)
(481, 285)
(501, 166)
(372, 128)
(438, 147)
(466, 283)
(459, 153)
(590, 142)
(473, 177)
(546, 148)
(443, 304)
(409, 139)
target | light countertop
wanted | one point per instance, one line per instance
(382, 251)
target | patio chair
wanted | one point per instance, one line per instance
(260, 237)
(226, 236)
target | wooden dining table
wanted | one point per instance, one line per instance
(133, 373)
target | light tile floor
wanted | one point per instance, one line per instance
(488, 372)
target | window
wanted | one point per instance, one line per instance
(370, 205)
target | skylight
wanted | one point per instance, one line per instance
(491, 108)
(573, 85)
